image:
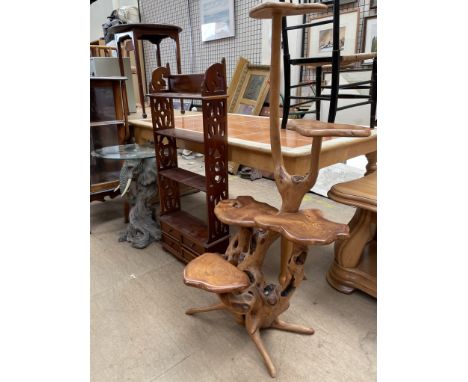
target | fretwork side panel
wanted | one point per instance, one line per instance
(215, 136)
(166, 153)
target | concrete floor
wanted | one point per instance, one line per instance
(139, 331)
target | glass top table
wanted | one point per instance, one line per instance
(138, 183)
(125, 152)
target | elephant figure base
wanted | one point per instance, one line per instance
(138, 176)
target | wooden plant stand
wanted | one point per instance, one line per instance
(236, 276)
(184, 235)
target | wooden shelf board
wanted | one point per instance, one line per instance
(107, 123)
(186, 177)
(182, 134)
(186, 95)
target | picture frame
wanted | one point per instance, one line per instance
(369, 37)
(216, 19)
(249, 88)
(321, 36)
(373, 4)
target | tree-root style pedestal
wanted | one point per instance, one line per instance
(236, 276)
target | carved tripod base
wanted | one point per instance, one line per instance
(255, 336)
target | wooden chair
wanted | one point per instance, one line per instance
(336, 62)
(101, 50)
(236, 276)
(355, 264)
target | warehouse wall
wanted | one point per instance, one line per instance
(198, 55)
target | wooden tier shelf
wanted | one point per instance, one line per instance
(187, 135)
(186, 177)
(186, 236)
(107, 123)
(102, 180)
(186, 95)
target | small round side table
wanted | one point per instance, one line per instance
(138, 183)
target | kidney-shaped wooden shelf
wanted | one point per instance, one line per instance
(267, 10)
(312, 128)
(306, 227)
(241, 211)
(214, 274)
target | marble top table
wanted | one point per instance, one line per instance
(249, 143)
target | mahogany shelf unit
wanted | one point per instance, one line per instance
(184, 235)
(108, 127)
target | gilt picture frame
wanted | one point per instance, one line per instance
(248, 88)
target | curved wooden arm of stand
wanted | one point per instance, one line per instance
(267, 10)
(312, 128)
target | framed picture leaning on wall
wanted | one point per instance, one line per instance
(369, 37)
(321, 36)
(216, 19)
(253, 90)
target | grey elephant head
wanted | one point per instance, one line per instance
(144, 171)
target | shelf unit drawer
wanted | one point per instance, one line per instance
(171, 245)
(170, 231)
(188, 255)
(192, 245)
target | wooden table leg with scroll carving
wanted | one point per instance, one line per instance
(371, 163)
(236, 276)
(355, 263)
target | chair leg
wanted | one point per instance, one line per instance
(335, 84)
(373, 94)
(218, 306)
(318, 91)
(261, 348)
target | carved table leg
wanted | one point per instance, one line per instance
(371, 163)
(138, 184)
(344, 273)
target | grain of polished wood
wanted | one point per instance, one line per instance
(268, 10)
(305, 227)
(242, 211)
(214, 274)
(360, 192)
(312, 128)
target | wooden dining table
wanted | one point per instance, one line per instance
(249, 143)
